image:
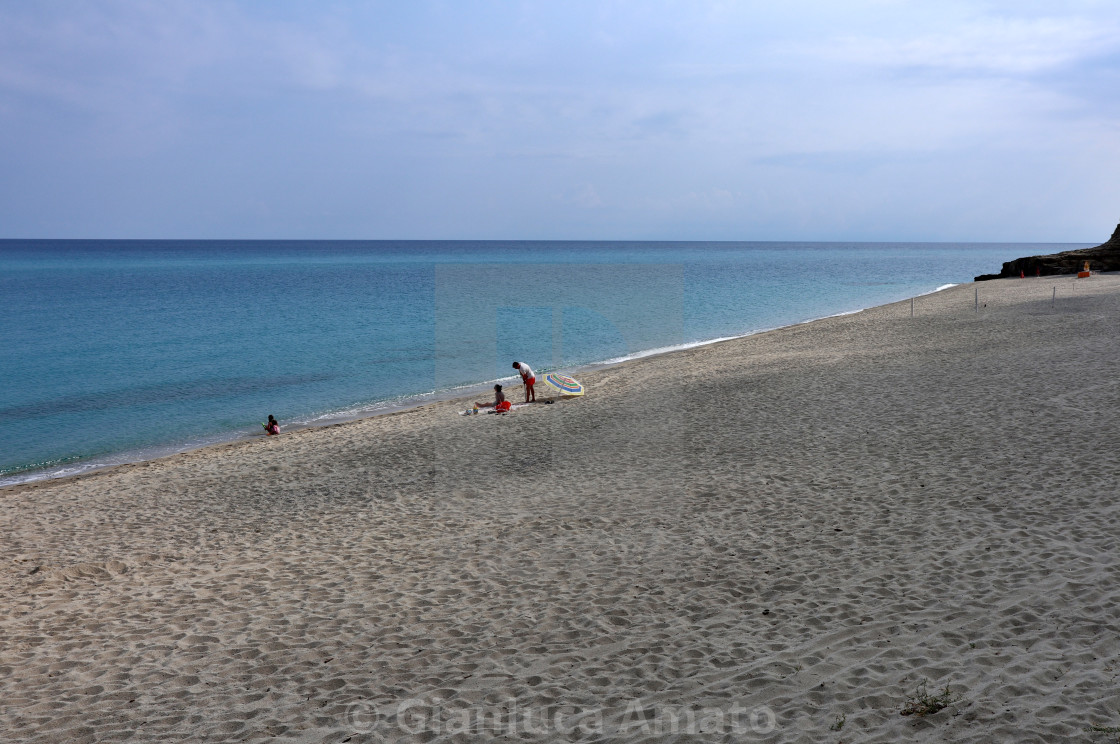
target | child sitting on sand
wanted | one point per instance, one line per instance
(500, 404)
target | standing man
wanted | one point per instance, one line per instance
(528, 380)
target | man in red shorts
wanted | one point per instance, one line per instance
(528, 379)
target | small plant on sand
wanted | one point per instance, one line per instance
(924, 704)
(1103, 729)
(839, 724)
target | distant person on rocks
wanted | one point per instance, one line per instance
(528, 379)
(273, 426)
(500, 404)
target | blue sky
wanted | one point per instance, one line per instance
(691, 120)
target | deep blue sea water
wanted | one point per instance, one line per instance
(113, 351)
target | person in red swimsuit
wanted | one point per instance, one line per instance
(528, 379)
(500, 404)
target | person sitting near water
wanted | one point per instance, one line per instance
(500, 404)
(528, 379)
(273, 426)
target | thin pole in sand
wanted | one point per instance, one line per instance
(911, 307)
(1054, 295)
(976, 300)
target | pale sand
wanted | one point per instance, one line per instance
(814, 520)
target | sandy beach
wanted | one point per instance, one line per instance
(776, 539)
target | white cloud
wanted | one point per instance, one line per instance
(1001, 46)
(588, 197)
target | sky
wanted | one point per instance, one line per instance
(846, 120)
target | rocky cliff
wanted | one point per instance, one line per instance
(1105, 257)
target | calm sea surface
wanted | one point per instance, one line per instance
(113, 351)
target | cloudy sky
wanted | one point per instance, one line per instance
(951, 120)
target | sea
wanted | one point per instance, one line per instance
(115, 351)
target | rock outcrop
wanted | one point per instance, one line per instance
(1105, 257)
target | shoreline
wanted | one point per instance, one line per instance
(483, 388)
(800, 528)
(382, 408)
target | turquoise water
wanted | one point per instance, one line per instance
(119, 350)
